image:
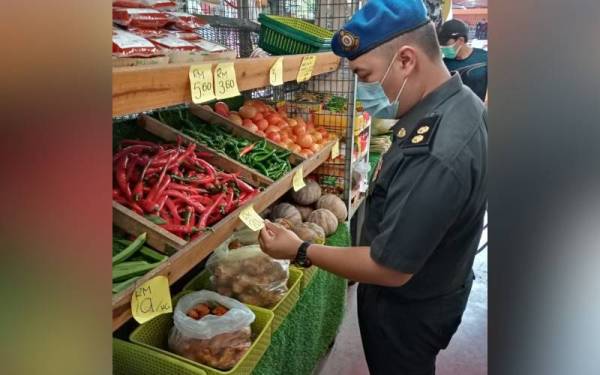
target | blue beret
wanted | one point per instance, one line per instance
(376, 23)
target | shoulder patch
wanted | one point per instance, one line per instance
(421, 138)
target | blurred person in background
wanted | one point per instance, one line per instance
(469, 62)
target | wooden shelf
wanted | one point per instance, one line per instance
(139, 89)
(195, 251)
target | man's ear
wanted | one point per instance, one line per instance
(407, 58)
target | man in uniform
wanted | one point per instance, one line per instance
(425, 215)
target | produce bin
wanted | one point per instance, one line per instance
(280, 310)
(307, 275)
(288, 36)
(129, 358)
(154, 335)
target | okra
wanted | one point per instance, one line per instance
(121, 286)
(131, 270)
(129, 250)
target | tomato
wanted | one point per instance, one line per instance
(294, 137)
(306, 141)
(317, 137)
(285, 138)
(315, 147)
(273, 118)
(292, 122)
(310, 126)
(299, 130)
(272, 128)
(261, 133)
(247, 111)
(247, 122)
(236, 119)
(252, 127)
(300, 121)
(321, 129)
(283, 124)
(325, 136)
(295, 148)
(274, 136)
(259, 116)
(262, 124)
(222, 108)
(306, 152)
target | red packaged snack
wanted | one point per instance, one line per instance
(148, 33)
(184, 21)
(205, 45)
(139, 17)
(185, 35)
(126, 44)
(156, 4)
(175, 44)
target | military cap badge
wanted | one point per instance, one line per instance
(348, 40)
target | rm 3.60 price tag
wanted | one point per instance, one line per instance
(225, 81)
(201, 83)
(151, 299)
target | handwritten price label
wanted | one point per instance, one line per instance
(252, 220)
(276, 73)
(298, 180)
(306, 68)
(151, 299)
(201, 83)
(225, 81)
(335, 150)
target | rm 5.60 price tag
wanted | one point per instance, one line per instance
(225, 81)
(201, 83)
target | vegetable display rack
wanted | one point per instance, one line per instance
(189, 254)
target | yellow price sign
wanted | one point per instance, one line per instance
(298, 180)
(306, 68)
(252, 220)
(335, 150)
(276, 73)
(225, 81)
(201, 83)
(151, 299)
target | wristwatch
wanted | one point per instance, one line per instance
(301, 256)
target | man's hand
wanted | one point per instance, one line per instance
(278, 242)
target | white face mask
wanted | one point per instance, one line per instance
(374, 99)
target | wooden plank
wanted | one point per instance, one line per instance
(132, 223)
(222, 161)
(195, 251)
(214, 118)
(142, 88)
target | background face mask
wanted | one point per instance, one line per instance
(449, 52)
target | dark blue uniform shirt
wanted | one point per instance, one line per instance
(425, 213)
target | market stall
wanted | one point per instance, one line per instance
(205, 146)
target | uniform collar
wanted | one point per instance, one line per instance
(427, 105)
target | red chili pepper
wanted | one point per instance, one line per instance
(161, 202)
(244, 186)
(138, 190)
(122, 177)
(179, 229)
(188, 189)
(247, 196)
(229, 201)
(203, 220)
(153, 192)
(173, 210)
(190, 219)
(247, 149)
(202, 199)
(190, 202)
(131, 149)
(206, 165)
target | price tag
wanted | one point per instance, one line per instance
(151, 299)
(252, 220)
(225, 82)
(298, 180)
(201, 83)
(276, 73)
(306, 68)
(335, 150)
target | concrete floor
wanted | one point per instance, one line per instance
(466, 354)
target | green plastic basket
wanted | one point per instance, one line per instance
(154, 335)
(288, 36)
(131, 359)
(307, 275)
(280, 310)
